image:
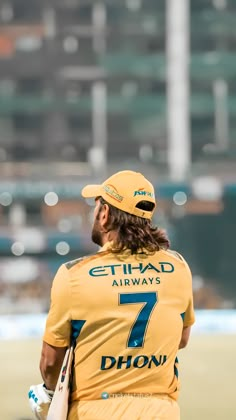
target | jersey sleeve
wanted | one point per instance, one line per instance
(58, 324)
(189, 317)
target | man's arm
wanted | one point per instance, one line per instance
(50, 364)
(57, 330)
(185, 337)
(57, 333)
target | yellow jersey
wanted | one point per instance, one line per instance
(126, 314)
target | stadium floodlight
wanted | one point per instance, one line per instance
(178, 113)
(98, 153)
(99, 17)
(220, 89)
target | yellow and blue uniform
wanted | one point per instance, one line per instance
(127, 313)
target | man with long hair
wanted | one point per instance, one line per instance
(129, 307)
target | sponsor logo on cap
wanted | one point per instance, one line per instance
(144, 193)
(112, 192)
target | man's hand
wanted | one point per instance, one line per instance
(40, 399)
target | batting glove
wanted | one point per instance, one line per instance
(40, 399)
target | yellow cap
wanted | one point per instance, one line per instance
(124, 190)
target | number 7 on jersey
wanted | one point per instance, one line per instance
(139, 328)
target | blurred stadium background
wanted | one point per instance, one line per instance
(89, 87)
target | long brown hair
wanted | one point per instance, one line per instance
(135, 233)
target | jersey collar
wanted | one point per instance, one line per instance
(106, 246)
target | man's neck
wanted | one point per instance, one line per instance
(109, 237)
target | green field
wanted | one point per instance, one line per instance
(207, 372)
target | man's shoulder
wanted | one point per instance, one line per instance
(176, 255)
(178, 260)
(72, 263)
(78, 262)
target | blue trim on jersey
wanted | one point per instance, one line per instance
(182, 316)
(176, 372)
(76, 326)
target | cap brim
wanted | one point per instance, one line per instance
(91, 191)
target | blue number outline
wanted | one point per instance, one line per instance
(138, 329)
